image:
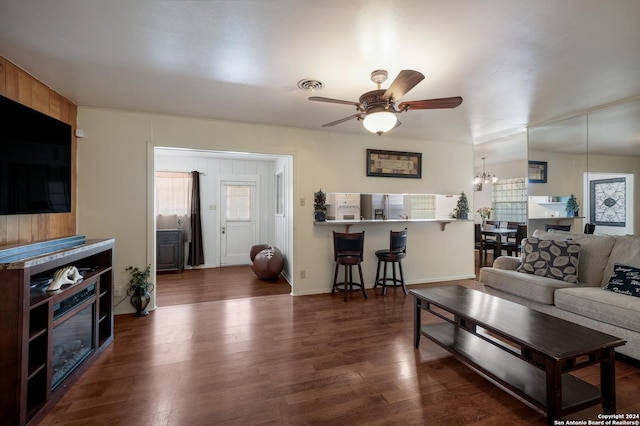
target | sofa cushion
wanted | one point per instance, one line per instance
(601, 305)
(626, 251)
(550, 258)
(625, 280)
(594, 254)
(532, 287)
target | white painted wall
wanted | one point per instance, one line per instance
(115, 168)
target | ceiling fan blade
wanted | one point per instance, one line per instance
(431, 103)
(334, 101)
(342, 120)
(405, 81)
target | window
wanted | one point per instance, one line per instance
(423, 206)
(173, 199)
(510, 200)
(238, 202)
(279, 193)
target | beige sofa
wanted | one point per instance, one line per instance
(585, 302)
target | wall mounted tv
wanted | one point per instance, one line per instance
(35, 161)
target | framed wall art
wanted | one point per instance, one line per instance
(608, 206)
(537, 172)
(394, 164)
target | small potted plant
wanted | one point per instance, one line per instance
(572, 206)
(461, 211)
(139, 288)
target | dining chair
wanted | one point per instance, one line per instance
(483, 245)
(514, 245)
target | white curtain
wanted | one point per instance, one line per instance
(173, 201)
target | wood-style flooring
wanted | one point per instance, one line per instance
(226, 348)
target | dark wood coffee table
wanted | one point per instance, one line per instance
(525, 352)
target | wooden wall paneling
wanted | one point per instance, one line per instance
(71, 113)
(24, 89)
(54, 106)
(24, 228)
(40, 97)
(3, 68)
(3, 230)
(10, 81)
(13, 230)
(41, 227)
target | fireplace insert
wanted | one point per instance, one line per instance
(73, 339)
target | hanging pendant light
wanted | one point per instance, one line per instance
(485, 177)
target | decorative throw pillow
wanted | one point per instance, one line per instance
(550, 258)
(625, 280)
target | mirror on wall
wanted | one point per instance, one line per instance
(558, 161)
(506, 158)
(596, 157)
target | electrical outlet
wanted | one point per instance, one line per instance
(303, 274)
(117, 291)
(302, 202)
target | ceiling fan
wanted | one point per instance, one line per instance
(377, 108)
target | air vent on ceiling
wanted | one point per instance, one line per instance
(311, 85)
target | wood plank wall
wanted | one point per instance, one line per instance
(16, 84)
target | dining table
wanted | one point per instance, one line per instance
(497, 233)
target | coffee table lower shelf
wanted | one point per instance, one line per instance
(516, 376)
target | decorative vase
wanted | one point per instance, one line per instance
(319, 216)
(140, 299)
(484, 222)
(576, 213)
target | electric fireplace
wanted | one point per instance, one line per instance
(73, 338)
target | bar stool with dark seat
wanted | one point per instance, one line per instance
(394, 254)
(348, 251)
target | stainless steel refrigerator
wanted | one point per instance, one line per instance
(382, 206)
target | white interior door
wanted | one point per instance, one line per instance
(238, 222)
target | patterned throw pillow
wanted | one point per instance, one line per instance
(550, 258)
(625, 280)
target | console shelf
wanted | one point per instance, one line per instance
(34, 322)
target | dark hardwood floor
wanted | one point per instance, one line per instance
(225, 348)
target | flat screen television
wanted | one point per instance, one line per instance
(35, 161)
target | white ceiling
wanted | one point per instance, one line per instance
(515, 62)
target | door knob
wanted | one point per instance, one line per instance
(223, 229)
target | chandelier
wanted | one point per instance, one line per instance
(485, 177)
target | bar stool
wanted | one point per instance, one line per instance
(348, 251)
(394, 254)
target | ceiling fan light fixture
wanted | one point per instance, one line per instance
(380, 122)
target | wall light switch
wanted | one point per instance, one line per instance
(302, 202)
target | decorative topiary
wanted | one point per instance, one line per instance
(461, 211)
(572, 206)
(319, 205)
